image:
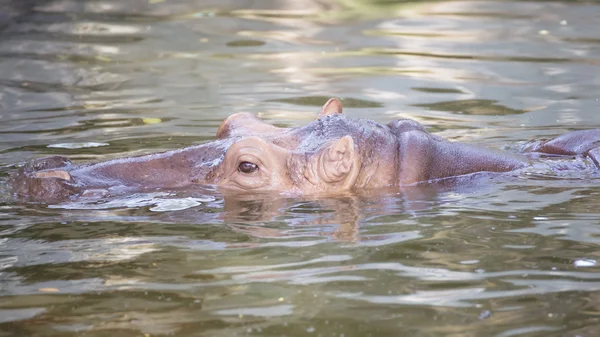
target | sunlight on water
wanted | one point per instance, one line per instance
(76, 145)
(515, 255)
(138, 200)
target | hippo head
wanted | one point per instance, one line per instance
(332, 153)
(321, 157)
(255, 163)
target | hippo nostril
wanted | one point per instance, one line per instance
(61, 174)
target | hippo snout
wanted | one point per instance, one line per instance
(45, 179)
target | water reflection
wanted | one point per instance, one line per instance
(502, 256)
(472, 107)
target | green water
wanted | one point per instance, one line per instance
(102, 79)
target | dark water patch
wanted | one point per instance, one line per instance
(278, 14)
(40, 87)
(245, 43)
(515, 58)
(341, 73)
(61, 57)
(320, 100)
(92, 124)
(472, 107)
(89, 39)
(439, 90)
(494, 15)
(434, 35)
(581, 40)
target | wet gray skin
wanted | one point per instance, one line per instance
(487, 254)
(332, 154)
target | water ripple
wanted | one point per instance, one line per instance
(504, 255)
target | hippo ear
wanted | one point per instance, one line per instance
(337, 161)
(333, 106)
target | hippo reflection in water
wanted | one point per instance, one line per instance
(331, 154)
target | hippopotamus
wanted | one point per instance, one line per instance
(331, 154)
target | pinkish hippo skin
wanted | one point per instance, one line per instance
(331, 154)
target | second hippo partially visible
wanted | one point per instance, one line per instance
(331, 154)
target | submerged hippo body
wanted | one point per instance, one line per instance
(333, 153)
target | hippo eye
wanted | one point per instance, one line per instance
(247, 167)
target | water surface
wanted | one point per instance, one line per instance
(94, 80)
